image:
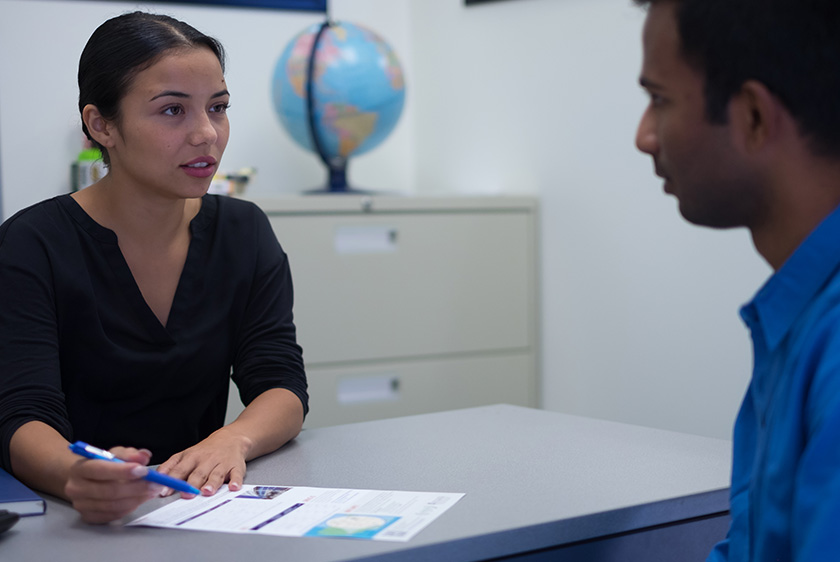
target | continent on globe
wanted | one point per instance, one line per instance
(350, 125)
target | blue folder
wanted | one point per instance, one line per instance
(17, 498)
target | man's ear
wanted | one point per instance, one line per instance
(99, 128)
(756, 116)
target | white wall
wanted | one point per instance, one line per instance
(40, 135)
(522, 96)
(639, 308)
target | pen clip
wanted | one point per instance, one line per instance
(91, 452)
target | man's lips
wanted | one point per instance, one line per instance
(657, 169)
(666, 184)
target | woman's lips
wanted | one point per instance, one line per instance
(204, 167)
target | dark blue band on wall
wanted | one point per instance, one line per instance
(308, 5)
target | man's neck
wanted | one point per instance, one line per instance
(803, 198)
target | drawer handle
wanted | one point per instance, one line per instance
(368, 389)
(367, 239)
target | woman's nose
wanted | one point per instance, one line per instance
(204, 132)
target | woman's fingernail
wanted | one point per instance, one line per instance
(233, 486)
(165, 492)
(208, 490)
(139, 471)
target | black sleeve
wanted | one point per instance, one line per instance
(267, 354)
(30, 377)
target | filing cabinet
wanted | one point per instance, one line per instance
(408, 305)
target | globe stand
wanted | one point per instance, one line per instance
(336, 124)
(337, 183)
(337, 167)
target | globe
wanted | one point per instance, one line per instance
(351, 103)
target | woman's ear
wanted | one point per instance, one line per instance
(99, 128)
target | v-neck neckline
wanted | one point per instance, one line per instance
(158, 333)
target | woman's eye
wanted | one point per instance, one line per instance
(221, 107)
(174, 110)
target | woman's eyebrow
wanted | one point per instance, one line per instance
(177, 94)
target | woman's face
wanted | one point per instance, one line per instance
(173, 127)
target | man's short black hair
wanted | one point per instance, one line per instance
(791, 46)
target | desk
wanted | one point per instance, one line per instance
(545, 485)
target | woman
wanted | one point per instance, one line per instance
(125, 305)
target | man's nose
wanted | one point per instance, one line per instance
(646, 139)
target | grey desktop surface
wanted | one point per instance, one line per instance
(533, 479)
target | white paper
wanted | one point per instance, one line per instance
(298, 511)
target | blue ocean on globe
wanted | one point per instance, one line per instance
(358, 89)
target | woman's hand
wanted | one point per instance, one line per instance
(104, 491)
(207, 465)
(270, 420)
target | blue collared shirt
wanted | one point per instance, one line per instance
(785, 495)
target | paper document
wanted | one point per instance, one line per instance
(298, 511)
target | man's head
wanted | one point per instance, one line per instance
(721, 75)
(790, 46)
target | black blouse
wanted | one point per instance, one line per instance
(81, 351)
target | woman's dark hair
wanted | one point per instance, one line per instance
(790, 46)
(124, 46)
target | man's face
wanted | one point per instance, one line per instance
(698, 161)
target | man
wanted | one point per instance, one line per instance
(744, 127)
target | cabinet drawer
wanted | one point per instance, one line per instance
(368, 392)
(397, 285)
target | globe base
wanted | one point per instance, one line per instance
(337, 184)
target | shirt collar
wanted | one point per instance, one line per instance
(785, 295)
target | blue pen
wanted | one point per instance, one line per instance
(91, 452)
